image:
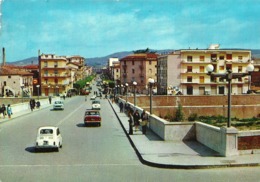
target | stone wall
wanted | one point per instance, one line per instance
(243, 106)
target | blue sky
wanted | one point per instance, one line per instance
(96, 28)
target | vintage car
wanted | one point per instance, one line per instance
(93, 97)
(58, 105)
(96, 104)
(92, 117)
(48, 137)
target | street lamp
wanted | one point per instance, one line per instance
(57, 90)
(229, 76)
(38, 87)
(121, 89)
(134, 83)
(126, 87)
(22, 86)
(49, 90)
(151, 82)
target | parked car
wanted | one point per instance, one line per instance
(92, 117)
(48, 137)
(59, 104)
(96, 104)
(93, 97)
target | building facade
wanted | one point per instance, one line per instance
(194, 78)
(139, 68)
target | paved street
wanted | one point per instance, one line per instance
(89, 153)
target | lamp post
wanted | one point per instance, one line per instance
(151, 82)
(49, 90)
(22, 86)
(229, 76)
(57, 90)
(134, 83)
(121, 89)
(38, 87)
(126, 87)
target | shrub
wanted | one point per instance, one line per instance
(193, 117)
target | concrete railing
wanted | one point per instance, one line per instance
(222, 140)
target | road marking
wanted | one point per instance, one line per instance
(66, 165)
(61, 121)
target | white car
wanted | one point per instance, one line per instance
(59, 104)
(93, 97)
(96, 104)
(48, 137)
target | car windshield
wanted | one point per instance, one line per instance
(95, 102)
(46, 131)
(92, 113)
(58, 102)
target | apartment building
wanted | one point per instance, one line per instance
(194, 78)
(115, 70)
(168, 74)
(138, 67)
(54, 74)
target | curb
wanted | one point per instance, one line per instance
(173, 166)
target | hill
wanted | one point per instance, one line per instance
(102, 61)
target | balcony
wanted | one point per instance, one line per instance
(55, 76)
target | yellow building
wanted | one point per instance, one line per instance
(54, 74)
(193, 74)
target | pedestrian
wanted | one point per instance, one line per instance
(50, 99)
(38, 104)
(121, 105)
(9, 111)
(144, 118)
(3, 110)
(136, 117)
(131, 121)
(31, 104)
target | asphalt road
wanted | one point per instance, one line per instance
(89, 153)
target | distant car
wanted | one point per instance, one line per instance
(58, 105)
(92, 117)
(96, 104)
(48, 137)
(93, 97)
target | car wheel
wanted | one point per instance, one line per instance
(57, 149)
(60, 146)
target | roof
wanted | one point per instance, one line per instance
(13, 70)
(140, 56)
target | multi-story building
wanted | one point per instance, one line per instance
(79, 62)
(195, 80)
(168, 74)
(54, 74)
(139, 68)
(190, 73)
(115, 70)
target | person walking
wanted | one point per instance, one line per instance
(31, 104)
(50, 99)
(131, 121)
(136, 117)
(121, 105)
(9, 111)
(3, 110)
(144, 117)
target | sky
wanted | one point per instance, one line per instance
(97, 28)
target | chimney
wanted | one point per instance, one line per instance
(3, 56)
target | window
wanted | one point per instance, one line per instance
(213, 57)
(56, 80)
(240, 58)
(45, 64)
(133, 63)
(189, 78)
(201, 69)
(150, 62)
(189, 68)
(221, 68)
(221, 90)
(189, 58)
(189, 90)
(221, 57)
(202, 58)
(55, 72)
(133, 71)
(239, 69)
(229, 67)
(229, 56)
(9, 76)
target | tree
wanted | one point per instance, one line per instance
(179, 113)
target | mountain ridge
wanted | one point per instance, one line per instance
(102, 61)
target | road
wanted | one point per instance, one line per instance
(89, 153)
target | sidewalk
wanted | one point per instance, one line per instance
(153, 151)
